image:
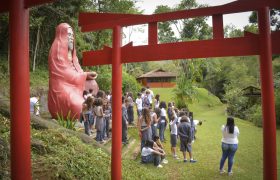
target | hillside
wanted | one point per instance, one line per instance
(61, 155)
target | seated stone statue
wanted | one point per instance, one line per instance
(66, 78)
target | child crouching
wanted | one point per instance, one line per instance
(150, 154)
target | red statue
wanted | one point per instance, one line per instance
(67, 79)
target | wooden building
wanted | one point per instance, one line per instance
(251, 91)
(158, 79)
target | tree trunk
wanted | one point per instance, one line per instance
(36, 48)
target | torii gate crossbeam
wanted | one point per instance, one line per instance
(262, 44)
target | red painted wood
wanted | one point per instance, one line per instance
(268, 105)
(116, 160)
(234, 7)
(4, 6)
(195, 49)
(19, 82)
(218, 27)
(161, 84)
(153, 33)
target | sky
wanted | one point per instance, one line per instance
(239, 20)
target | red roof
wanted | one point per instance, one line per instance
(158, 73)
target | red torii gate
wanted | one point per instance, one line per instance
(263, 44)
(19, 63)
(19, 59)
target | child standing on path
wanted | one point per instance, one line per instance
(184, 131)
(87, 114)
(139, 104)
(107, 117)
(155, 118)
(98, 111)
(124, 120)
(162, 121)
(173, 135)
(144, 127)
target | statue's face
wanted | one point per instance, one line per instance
(70, 39)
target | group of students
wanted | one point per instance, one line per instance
(153, 120)
(152, 125)
(96, 113)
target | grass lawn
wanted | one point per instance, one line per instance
(207, 148)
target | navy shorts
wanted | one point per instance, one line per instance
(185, 146)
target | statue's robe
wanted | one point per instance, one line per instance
(66, 78)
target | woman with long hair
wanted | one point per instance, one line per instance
(163, 120)
(229, 144)
(144, 126)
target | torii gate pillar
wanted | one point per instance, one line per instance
(19, 91)
(116, 162)
(268, 105)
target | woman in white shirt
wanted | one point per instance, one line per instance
(162, 121)
(229, 144)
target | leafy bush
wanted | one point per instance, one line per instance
(254, 114)
(237, 104)
(185, 92)
(129, 83)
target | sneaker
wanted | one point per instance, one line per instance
(230, 173)
(193, 161)
(164, 161)
(176, 157)
(185, 161)
(159, 166)
(222, 171)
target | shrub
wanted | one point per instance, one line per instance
(67, 122)
(129, 83)
(254, 114)
(185, 92)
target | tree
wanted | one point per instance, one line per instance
(166, 34)
(274, 18)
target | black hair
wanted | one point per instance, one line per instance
(157, 111)
(98, 102)
(162, 105)
(157, 97)
(156, 138)
(230, 125)
(182, 113)
(149, 143)
(184, 119)
(143, 89)
(100, 94)
(169, 104)
(139, 94)
(85, 92)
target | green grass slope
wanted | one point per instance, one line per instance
(207, 148)
(66, 157)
